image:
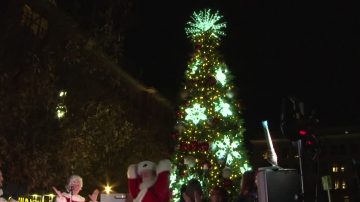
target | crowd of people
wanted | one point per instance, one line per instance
(192, 192)
(149, 182)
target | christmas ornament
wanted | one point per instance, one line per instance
(226, 173)
(189, 161)
(180, 128)
(211, 81)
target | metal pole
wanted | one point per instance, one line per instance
(301, 169)
(71, 193)
(328, 193)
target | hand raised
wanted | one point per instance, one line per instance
(94, 195)
(58, 193)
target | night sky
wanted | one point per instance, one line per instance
(274, 49)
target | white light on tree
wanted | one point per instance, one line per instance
(245, 168)
(220, 76)
(223, 108)
(173, 177)
(206, 21)
(195, 113)
(226, 149)
(182, 181)
(195, 66)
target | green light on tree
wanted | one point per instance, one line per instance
(223, 108)
(183, 181)
(206, 21)
(195, 113)
(245, 168)
(220, 76)
(195, 66)
(227, 149)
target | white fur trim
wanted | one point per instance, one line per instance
(147, 184)
(145, 165)
(164, 165)
(131, 172)
(143, 189)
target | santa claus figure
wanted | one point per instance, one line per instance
(149, 182)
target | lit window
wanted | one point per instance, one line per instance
(61, 108)
(342, 168)
(336, 184)
(62, 93)
(60, 111)
(343, 185)
(335, 169)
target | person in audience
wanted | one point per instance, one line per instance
(248, 188)
(193, 191)
(218, 194)
(182, 191)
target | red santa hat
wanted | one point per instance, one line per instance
(145, 165)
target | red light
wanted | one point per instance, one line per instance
(309, 142)
(302, 132)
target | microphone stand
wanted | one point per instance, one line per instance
(299, 145)
(71, 193)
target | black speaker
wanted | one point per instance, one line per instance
(278, 184)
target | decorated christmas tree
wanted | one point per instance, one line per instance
(209, 135)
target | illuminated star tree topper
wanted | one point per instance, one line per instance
(206, 21)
